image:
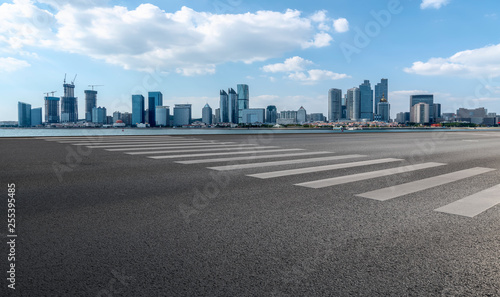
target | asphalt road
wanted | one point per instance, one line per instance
(94, 222)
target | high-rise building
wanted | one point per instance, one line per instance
(243, 100)
(69, 104)
(162, 116)
(117, 116)
(99, 115)
(334, 105)
(23, 114)
(52, 110)
(137, 109)
(182, 114)
(428, 99)
(420, 113)
(252, 115)
(36, 117)
(437, 110)
(384, 110)
(316, 117)
(206, 114)
(233, 106)
(90, 103)
(127, 118)
(154, 99)
(381, 90)
(366, 102)
(353, 104)
(224, 107)
(301, 115)
(217, 116)
(271, 114)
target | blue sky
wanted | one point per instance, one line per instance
(288, 52)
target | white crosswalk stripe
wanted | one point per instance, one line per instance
(144, 145)
(232, 159)
(202, 150)
(223, 154)
(285, 162)
(423, 184)
(366, 175)
(475, 204)
(176, 146)
(322, 168)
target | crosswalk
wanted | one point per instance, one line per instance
(273, 162)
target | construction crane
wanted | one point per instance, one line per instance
(73, 82)
(47, 93)
(95, 86)
(64, 78)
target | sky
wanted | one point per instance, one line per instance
(289, 53)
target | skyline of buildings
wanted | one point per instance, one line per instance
(358, 104)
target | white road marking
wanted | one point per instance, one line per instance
(203, 150)
(423, 184)
(284, 162)
(475, 204)
(230, 159)
(321, 168)
(176, 146)
(223, 154)
(366, 175)
(144, 144)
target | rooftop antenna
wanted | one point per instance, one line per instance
(95, 86)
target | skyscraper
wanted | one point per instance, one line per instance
(301, 115)
(224, 107)
(23, 114)
(99, 115)
(233, 106)
(182, 114)
(384, 110)
(420, 113)
(90, 103)
(366, 102)
(206, 114)
(243, 100)
(162, 115)
(137, 109)
(381, 89)
(154, 99)
(428, 99)
(52, 110)
(334, 105)
(253, 115)
(271, 114)
(36, 116)
(69, 104)
(353, 103)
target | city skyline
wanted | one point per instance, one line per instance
(332, 45)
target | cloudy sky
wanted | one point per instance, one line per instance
(288, 52)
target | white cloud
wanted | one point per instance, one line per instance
(10, 64)
(319, 16)
(470, 63)
(291, 64)
(436, 4)
(187, 41)
(321, 39)
(341, 25)
(315, 75)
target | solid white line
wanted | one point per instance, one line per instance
(475, 204)
(285, 162)
(203, 150)
(423, 184)
(230, 159)
(104, 141)
(175, 146)
(142, 145)
(137, 143)
(223, 154)
(321, 168)
(366, 175)
(83, 138)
